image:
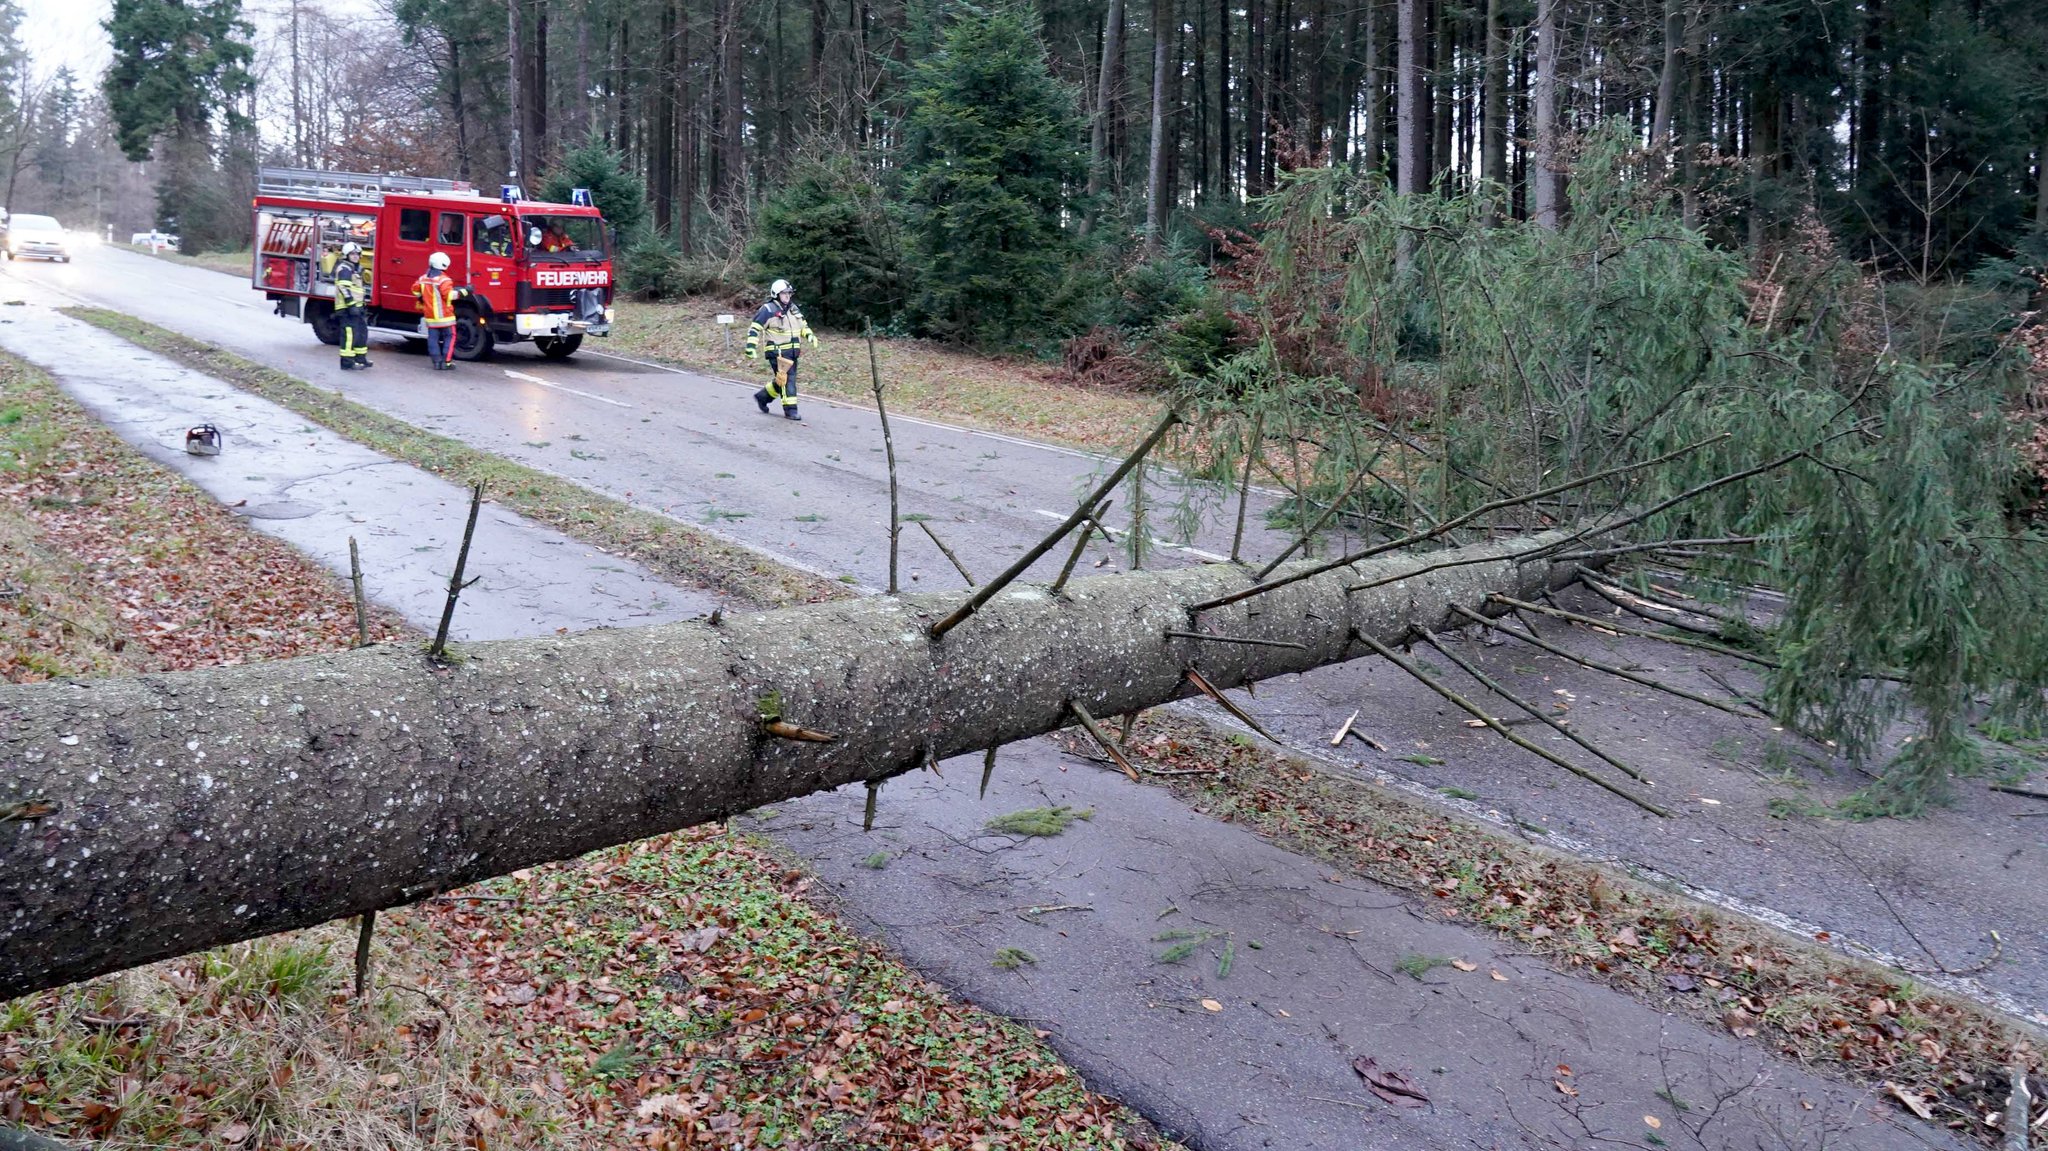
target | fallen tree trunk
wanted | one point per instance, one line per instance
(152, 816)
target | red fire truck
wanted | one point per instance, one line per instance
(536, 271)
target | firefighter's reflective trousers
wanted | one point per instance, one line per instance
(355, 334)
(781, 379)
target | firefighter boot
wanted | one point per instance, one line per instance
(761, 400)
(789, 412)
(348, 363)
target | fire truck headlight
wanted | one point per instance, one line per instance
(607, 315)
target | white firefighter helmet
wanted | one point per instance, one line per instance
(438, 261)
(779, 287)
(351, 249)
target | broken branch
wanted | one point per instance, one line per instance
(1479, 713)
(1529, 637)
(1024, 562)
(1088, 721)
(1494, 686)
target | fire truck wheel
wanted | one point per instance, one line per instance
(320, 317)
(473, 340)
(558, 347)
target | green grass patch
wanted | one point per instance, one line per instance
(1038, 821)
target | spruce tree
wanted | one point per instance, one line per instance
(995, 152)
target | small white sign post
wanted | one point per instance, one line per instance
(725, 321)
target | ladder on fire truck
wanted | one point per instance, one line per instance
(346, 187)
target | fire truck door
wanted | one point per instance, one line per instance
(451, 235)
(402, 257)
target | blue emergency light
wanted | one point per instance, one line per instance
(580, 196)
(510, 194)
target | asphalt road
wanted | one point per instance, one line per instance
(812, 494)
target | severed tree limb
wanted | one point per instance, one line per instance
(948, 552)
(1253, 641)
(1594, 621)
(1494, 686)
(364, 930)
(1081, 546)
(1223, 701)
(988, 771)
(1088, 721)
(1530, 637)
(984, 594)
(867, 817)
(455, 584)
(1244, 486)
(194, 809)
(355, 579)
(889, 446)
(1632, 603)
(1314, 526)
(1479, 713)
(1415, 538)
(1663, 545)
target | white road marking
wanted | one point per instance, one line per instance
(563, 388)
(1196, 552)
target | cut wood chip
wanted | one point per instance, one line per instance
(1653, 1122)
(1497, 976)
(1393, 1086)
(1211, 1005)
(1345, 730)
(1914, 1103)
(1464, 966)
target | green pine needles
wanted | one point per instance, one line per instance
(1413, 358)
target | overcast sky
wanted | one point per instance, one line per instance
(61, 32)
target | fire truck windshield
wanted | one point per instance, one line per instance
(565, 237)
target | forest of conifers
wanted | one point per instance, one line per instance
(1916, 128)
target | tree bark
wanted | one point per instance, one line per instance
(1155, 163)
(1223, 181)
(1667, 80)
(1105, 95)
(514, 153)
(1257, 81)
(1543, 101)
(200, 808)
(1493, 122)
(1409, 165)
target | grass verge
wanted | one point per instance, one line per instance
(228, 263)
(1823, 1009)
(673, 550)
(923, 378)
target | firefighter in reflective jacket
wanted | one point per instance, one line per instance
(437, 294)
(351, 308)
(780, 328)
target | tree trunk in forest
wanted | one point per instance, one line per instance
(1698, 119)
(164, 814)
(2041, 184)
(1318, 86)
(584, 104)
(1375, 143)
(661, 152)
(1155, 162)
(1105, 96)
(1409, 170)
(820, 17)
(1667, 80)
(1543, 109)
(1869, 134)
(1256, 83)
(514, 153)
(537, 93)
(1493, 122)
(456, 110)
(1223, 181)
(732, 176)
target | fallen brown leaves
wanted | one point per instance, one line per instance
(173, 580)
(682, 992)
(1808, 1004)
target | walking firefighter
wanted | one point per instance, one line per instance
(779, 327)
